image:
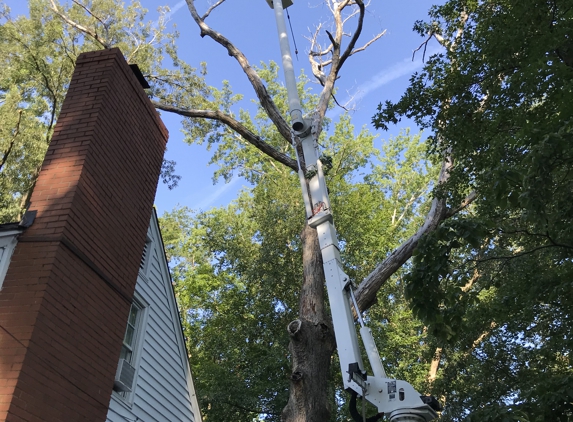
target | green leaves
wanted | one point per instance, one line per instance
(491, 283)
(37, 57)
(237, 280)
(233, 155)
(238, 270)
(35, 71)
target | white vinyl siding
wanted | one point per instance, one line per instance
(163, 388)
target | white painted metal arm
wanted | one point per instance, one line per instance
(395, 398)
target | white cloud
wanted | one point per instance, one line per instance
(385, 76)
(210, 200)
(175, 8)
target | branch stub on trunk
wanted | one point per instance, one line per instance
(296, 376)
(294, 327)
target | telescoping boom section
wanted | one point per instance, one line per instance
(396, 399)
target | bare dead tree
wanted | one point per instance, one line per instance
(332, 57)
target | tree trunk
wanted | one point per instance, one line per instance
(311, 342)
(435, 365)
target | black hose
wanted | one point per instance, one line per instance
(356, 415)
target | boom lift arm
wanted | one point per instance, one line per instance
(395, 398)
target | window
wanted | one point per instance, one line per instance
(130, 351)
(130, 338)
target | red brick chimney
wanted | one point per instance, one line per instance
(66, 296)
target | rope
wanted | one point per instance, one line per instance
(293, 143)
(292, 34)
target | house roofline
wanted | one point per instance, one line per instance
(180, 319)
(19, 226)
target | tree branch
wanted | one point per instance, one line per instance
(519, 254)
(366, 291)
(12, 141)
(79, 27)
(93, 15)
(481, 338)
(425, 45)
(412, 199)
(450, 46)
(365, 46)
(338, 58)
(313, 43)
(468, 200)
(435, 365)
(236, 126)
(354, 37)
(208, 12)
(257, 83)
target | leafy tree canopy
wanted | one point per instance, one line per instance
(494, 283)
(37, 58)
(237, 270)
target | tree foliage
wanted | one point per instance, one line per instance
(236, 282)
(493, 283)
(490, 286)
(238, 274)
(37, 59)
(35, 73)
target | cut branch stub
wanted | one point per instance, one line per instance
(296, 376)
(294, 327)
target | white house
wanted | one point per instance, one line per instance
(160, 388)
(154, 345)
(85, 334)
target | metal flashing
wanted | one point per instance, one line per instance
(20, 226)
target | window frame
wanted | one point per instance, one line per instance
(127, 398)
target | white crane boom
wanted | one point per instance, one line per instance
(395, 398)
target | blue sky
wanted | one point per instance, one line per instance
(370, 77)
(379, 73)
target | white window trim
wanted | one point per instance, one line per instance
(137, 350)
(8, 241)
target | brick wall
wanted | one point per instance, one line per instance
(66, 296)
